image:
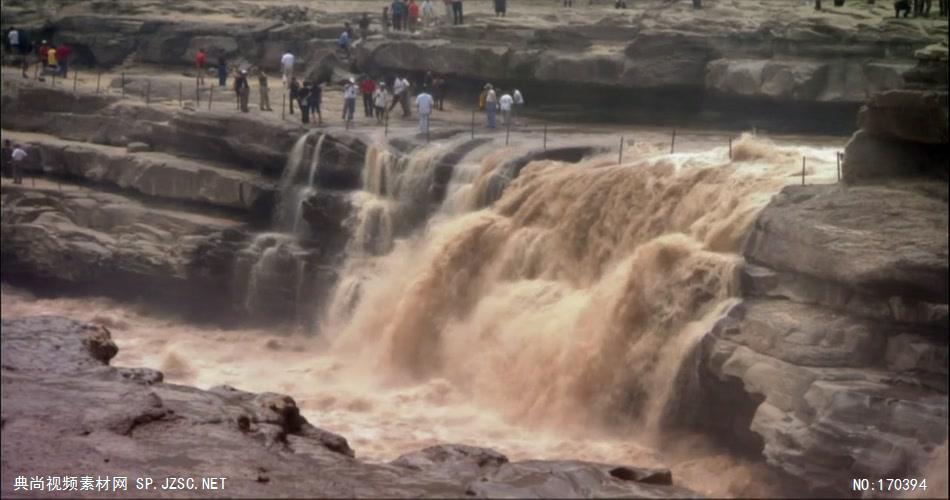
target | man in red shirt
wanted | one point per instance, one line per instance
(413, 15)
(200, 59)
(43, 52)
(367, 87)
(62, 56)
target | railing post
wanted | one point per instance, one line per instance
(620, 155)
(181, 95)
(803, 170)
(210, 96)
(838, 163)
(730, 147)
(283, 105)
(52, 81)
(545, 136)
(508, 128)
(75, 79)
(98, 80)
(673, 142)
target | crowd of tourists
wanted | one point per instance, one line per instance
(52, 59)
(379, 95)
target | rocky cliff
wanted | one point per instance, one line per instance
(840, 346)
(66, 412)
(775, 64)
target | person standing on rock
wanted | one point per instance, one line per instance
(51, 61)
(62, 53)
(413, 9)
(349, 100)
(504, 103)
(457, 18)
(303, 96)
(398, 9)
(6, 158)
(43, 53)
(19, 161)
(294, 92)
(428, 13)
(243, 90)
(314, 98)
(438, 92)
(519, 105)
(344, 43)
(380, 100)
(200, 59)
(364, 26)
(424, 106)
(448, 11)
(265, 91)
(13, 38)
(368, 88)
(491, 103)
(501, 6)
(398, 90)
(287, 66)
(222, 72)
(406, 95)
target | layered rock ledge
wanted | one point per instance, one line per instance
(747, 61)
(67, 412)
(835, 363)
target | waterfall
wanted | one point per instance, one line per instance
(573, 299)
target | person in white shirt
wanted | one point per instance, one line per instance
(14, 37)
(424, 104)
(491, 103)
(380, 100)
(287, 66)
(401, 96)
(349, 100)
(428, 12)
(505, 104)
(19, 161)
(398, 89)
(519, 104)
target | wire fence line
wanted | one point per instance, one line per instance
(520, 131)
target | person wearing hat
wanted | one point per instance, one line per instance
(349, 99)
(243, 90)
(380, 100)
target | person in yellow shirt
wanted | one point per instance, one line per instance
(51, 58)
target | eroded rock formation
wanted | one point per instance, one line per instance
(661, 60)
(66, 411)
(841, 343)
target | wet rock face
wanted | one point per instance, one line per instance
(841, 339)
(65, 409)
(116, 243)
(903, 134)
